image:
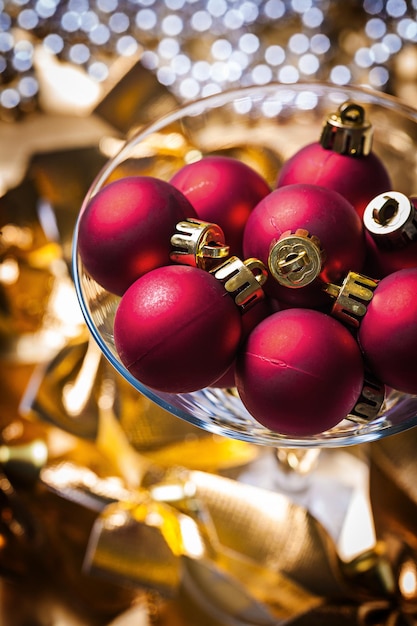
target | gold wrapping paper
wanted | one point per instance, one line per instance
(237, 552)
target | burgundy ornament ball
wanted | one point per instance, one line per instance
(223, 191)
(323, 213)
(358, 179)
(125, 229)
(300, 372)
(388, 331)
(177, 329)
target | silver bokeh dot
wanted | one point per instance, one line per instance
(100, 34)
(274, 9)
(172, 25)
(119, 22)
(98, 71)
(79, 53)
(168, 47)
(28, 86)
(340, 75)
(274, 55)
(127, 46)
(216, 8)
(396, 8)
(221, 49)
(146, 19)
(28, 19)
(201, 21)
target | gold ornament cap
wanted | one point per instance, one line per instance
(352, 297)
(198, 243)
(243, 280)
(391, 219)
(370, 400)
(296, 259)
(347, 131)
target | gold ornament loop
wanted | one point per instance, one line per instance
(198, 243)
(296, 259)
(243, 280)
(391, 219)
(352, 297)
(369, 402)
(347, 131)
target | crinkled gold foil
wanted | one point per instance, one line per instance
(393, 486)
(271, 530)
(126, 106)
(139, 544)
(79, 392)
(65, 392)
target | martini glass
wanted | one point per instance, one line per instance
(262, 126)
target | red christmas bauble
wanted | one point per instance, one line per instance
(388, 331)
(177, 329)
(300, 372)
(356, 178)
(323, 213)
(380, 263)
(125, 230)
(223, 191)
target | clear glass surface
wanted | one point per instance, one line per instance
(262, 125)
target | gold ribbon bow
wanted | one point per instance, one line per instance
(238, 552)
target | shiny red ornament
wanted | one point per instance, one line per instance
(125, 229)
(300, 372)
(177, 329)
(323, 213)
(388, 331)
(222, 190)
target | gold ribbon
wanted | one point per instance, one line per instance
(256, 554)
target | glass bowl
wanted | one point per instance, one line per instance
(263, 126)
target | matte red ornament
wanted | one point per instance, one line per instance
(341, 160)
(176, 329)
(125, 229)
(323, 213)
(222, 190)
(300, 372)
(388, 331)
(358, 179)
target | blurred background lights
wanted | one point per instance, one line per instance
(274, 55)
(298, 43)
(308, 64)
(340, 75)
(288, 74)
(261, 74)
(198, 47)
(274, 9)
(221, 49)
(119, 22)
(313, 17)
(146, 19)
